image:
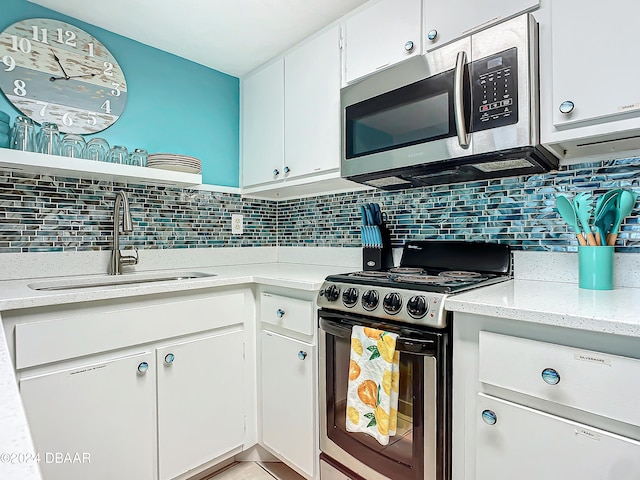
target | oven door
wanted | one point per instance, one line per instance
(420, 449)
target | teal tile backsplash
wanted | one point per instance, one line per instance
(42, 213)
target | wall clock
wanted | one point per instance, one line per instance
(55, 72)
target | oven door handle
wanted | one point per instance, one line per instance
(413, 346)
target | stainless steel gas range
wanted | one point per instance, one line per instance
(408, 300)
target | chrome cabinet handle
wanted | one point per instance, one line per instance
(169, 358)
(302, 355)
(566, 107)
(432, 35)
(409, 46)
(458, 100)
(276, 172)
(550, 376)
(489, 417)
(280, 313)
(143, 367)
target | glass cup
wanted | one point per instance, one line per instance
(138, 157)
(23, 134)
(118, 154)
(72, 145)
(96, 149)
(48, 139)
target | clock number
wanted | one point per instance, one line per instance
(116, 89)
(71, 37)
(92, 118)
(108, 69)
(38, 33)
(10, 63)
(21, 88)
(43, 109)
(106, 106)
(91, 48)
(24, 44)
(67, 120)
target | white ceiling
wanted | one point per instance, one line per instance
(232, 36)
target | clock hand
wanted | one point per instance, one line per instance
(53, 79)
(55, 57)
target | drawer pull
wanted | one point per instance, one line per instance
(143, 367)
(550, 376)
(280, 313)
(489, 417)
(302, 355)
(169, 358)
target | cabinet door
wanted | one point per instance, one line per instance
(528, 444)
(263, 125)
(592, 66)
(288, 393)
(312, 106)
(102, 415)
(376, 37)
(450, 20)
(200, 401)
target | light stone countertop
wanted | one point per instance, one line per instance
(555, 303)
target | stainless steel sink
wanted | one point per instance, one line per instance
(117, 280)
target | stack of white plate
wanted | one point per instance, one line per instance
(175, 162)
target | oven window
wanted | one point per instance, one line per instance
(402, 458)
(416, 113)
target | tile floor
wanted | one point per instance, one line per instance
(256, 471)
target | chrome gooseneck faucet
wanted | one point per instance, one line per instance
(117, 259)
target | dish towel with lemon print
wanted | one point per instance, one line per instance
(374, 377)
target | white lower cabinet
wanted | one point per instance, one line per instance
(528, 444)
(94, 421)
(288, 400)
(200, 401)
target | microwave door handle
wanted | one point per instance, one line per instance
(458, 100)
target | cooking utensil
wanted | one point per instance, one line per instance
(605, 217)
(583, 206)
(568, 214)
(626, 202)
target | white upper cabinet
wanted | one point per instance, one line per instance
(594, 74)
(263, 125)
(312, 106)
(384, 34)
(449, 20)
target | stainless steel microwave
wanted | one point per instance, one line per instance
(466, 111)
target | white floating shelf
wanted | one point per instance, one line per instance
(30, 162)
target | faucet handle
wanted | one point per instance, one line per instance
(127, 260)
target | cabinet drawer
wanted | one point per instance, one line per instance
(286, 312)
(595, 382)
(526, 443)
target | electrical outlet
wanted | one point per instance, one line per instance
(236, 224)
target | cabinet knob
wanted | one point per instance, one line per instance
(566, 107)
(286, 170)
(280, 313)
(409, 46)
(276, 172)
(169, 358)
(432, 35)
(143, 367)
(489, 417)
(550, 376)
(302, 355)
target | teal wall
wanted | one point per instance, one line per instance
(173, 105)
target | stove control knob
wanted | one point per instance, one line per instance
(331, 293)
(417, 306)
(370, 300)
(392, 303)
(350, 297)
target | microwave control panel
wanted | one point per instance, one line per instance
(495, 90)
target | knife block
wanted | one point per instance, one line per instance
(378, 258)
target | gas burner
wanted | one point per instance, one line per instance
(460, 275)
(425, 279)
(371, 273)
(406, 270)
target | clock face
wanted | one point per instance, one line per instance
(55, 72)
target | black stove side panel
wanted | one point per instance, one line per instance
(450, 255)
